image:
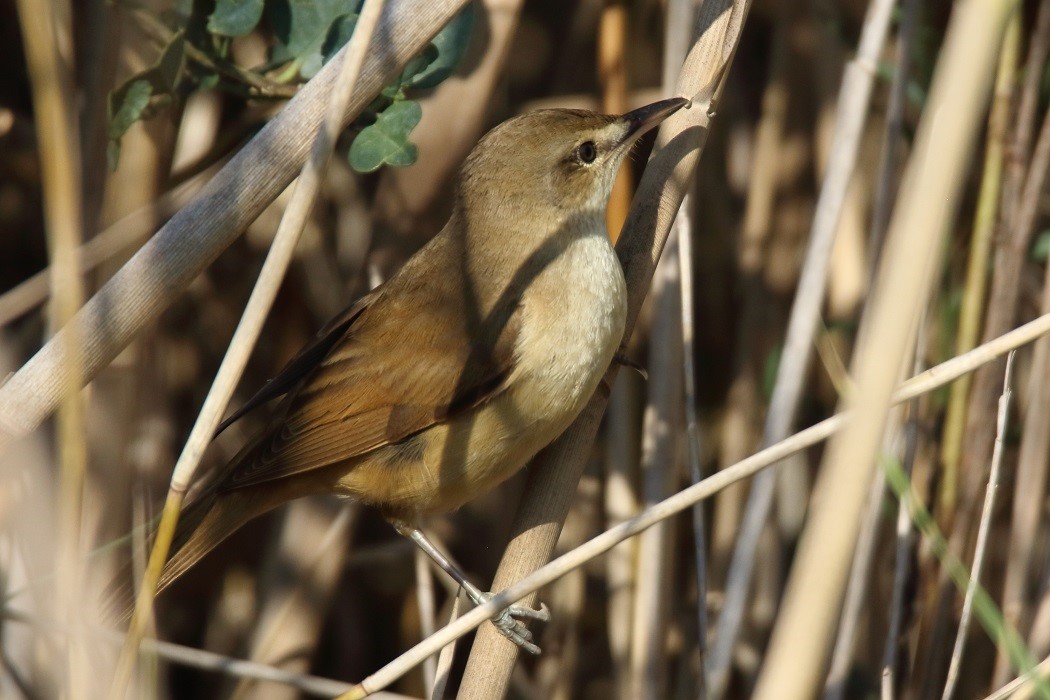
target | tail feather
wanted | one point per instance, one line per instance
(203, 525)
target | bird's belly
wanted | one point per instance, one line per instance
(450, 463)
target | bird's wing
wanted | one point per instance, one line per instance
(307, 359)
(408, 361)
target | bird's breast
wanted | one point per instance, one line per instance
(572, 324)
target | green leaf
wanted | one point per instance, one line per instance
(235, 17)
(1041, 247)
(208, 81)
(302, 26)
(386, 141)
(166, 72)
(126, 105)
(451, 43)
(142, 94)
(416, 66)
(338, 34)
(299, 23)
(310, 65)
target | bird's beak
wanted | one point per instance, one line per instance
(644, 118)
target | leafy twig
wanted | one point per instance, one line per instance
(259, 85)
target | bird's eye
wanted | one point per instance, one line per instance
(587, 152)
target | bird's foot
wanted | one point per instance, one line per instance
(514, 629)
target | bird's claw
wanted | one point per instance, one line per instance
(508, 624)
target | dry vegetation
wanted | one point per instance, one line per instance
(870, 202)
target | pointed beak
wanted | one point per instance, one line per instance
(644, 118)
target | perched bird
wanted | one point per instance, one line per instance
(445, 380)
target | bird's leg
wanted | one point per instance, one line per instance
(511, 628)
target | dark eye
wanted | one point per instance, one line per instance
(587, 152)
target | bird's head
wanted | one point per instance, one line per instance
(554, 159)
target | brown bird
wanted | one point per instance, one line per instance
(445, 380)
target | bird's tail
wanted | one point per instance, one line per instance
(203, 524)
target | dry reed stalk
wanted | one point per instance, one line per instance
(444, 664)
(47, 34)
(740, 426)
(857, 83)
(904, 526)
(660, 429)
(983, 531)
(1032, 462)
(886, 183)
(1031, 478)
(99, 53)
(1013, 237)
(961, 86)
(426, 605)
(985, 218)
(904, 535)
(684, 226)
(1039, 636)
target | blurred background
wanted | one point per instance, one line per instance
(328, 589)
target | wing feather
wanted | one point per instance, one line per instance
(404, 362)
(303, 363)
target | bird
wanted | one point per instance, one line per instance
(449, 377)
